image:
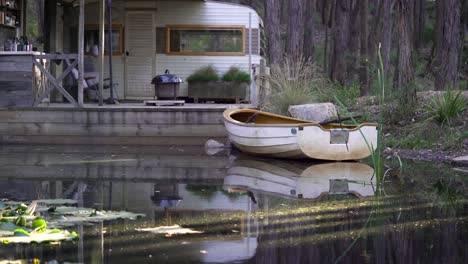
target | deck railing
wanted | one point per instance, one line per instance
(47, 82)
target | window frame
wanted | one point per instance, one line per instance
(191, 53)
(115, 27)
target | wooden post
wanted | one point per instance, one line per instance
(249, 68)
(80, 54)
(102, 15)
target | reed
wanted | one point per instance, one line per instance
(376, 154)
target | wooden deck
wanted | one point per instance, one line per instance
(120, 124)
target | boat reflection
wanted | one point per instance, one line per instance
(300, 179)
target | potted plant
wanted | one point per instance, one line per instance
(205, 83)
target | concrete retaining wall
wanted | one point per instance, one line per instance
(111, 126)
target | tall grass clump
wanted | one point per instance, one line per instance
(376, 154)
(234, 74)
(207, 73)
(293, 83)
(444, 109)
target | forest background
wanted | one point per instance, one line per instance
(320, 50)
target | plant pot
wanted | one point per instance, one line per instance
(219, 90)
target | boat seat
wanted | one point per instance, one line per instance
(252, 118)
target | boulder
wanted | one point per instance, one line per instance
(319, 112)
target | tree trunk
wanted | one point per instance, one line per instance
(295, 37)
(386, 34)
(363, 73)
(309, 16)
(340, 40)
(327, 19)
(272, 14)
(404, 71)
(376, 31)
(419, 22)
(353, 45)
(445, 64)
(463, 63)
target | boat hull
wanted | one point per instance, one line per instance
(265, 141)
(300, 139)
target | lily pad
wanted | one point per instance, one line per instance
(20, 221)
(76, 215)
(39, 225)
(21, 233)
(34, 229)
(47, 236)
(169, 230)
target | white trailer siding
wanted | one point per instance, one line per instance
(204, 13)
(184, 13)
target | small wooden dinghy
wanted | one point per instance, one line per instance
(266, 134)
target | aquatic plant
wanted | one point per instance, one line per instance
(19, 225)
(376, 154)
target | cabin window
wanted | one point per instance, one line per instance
(205, 40)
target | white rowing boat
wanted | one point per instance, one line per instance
(266, 134)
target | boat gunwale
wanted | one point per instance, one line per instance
(301, 123)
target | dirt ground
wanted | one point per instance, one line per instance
(438, 153)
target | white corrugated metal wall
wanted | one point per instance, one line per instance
(174, 12)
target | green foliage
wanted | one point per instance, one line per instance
(21, 232)
(235, 74)
(74, 235)
(207, 192)
(20, 221)
(427, 135)
(445, 108)
(398, 113)
(463, 84)
(419, 66)
(347, 94)
(204, 74)
(21, 209)
(294, 83)
(428, 33)
(39, 225)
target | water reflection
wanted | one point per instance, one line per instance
(300, 180)
(248, 210)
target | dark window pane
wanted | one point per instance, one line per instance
(206, 40)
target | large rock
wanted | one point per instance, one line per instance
(319, 112)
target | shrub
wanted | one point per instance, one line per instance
(347, 94)
(444, 108)
(204, 74)
(237, 75)
(294, 83)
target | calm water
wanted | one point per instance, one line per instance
(248, 210)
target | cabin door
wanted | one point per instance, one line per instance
(140, 50)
